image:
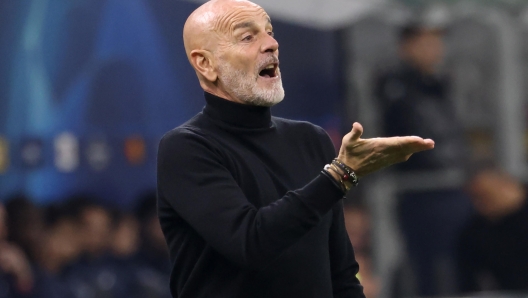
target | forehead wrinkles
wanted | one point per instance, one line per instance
(225, 22)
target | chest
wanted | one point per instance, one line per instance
(268, 166)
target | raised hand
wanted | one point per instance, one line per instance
(365, 156)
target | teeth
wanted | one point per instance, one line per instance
(271, 66)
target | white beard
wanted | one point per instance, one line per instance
(244, 87)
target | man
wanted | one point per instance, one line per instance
(244, 202)
(414, 99)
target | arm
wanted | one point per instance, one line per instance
(342, 260)
(193, 179)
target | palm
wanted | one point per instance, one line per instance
(369, 155)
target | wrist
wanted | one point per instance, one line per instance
(334, 178)
(334, 175)
(343, 175)
(347, 174)
(347, 161)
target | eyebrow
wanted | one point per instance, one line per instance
(248, 24)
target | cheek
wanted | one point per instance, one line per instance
(239, 58)
(432, 49)
(245, 64)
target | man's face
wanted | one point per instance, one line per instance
(494, 194)
(247, 56)
(426, 50)
(96, 229)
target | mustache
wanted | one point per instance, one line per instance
(268, 60)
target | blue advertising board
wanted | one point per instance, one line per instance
(89, 87)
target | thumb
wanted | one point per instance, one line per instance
(357, 131)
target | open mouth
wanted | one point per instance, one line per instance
(270, 71)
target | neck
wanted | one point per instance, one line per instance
(235, 114)
(216, 91)
(427, 70)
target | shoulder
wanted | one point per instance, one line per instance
(195, 127)
(186, 138)
(299, 127)
(306, 135)
(182, 133)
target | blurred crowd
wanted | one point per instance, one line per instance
(463, 220)
(80, 248)
(358, 225)
(492, 247)
(489, 250)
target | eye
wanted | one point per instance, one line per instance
(248, 38)
(271, 33)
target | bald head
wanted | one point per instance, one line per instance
(230, 45)
(205, 25)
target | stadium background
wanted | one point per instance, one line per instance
(88, 87)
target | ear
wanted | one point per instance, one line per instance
(203, 62)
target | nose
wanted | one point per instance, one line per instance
(270, 44)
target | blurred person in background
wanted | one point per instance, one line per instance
(125, 240)
(59, 248)
(62, 244)
(493, 247)
(414, 100)
(96, 228)
(96, 274)
(16, 274)
(357, 223)
(25, 224)
(123, 261)
(153, 270)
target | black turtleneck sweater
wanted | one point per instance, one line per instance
(246, 210)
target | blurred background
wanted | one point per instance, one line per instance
(89, 87)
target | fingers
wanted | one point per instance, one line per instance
(357, 131)
(429, 142)
(416, 144)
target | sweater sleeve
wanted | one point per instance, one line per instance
(193, 179)
(342, 260)
(343, 264)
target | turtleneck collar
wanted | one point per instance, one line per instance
(236, 114)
